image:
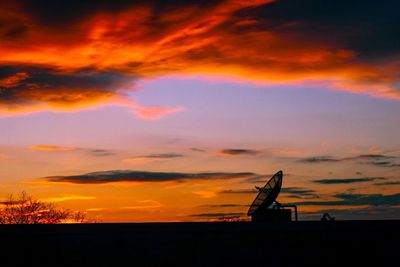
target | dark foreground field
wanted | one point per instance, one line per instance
(340, 243)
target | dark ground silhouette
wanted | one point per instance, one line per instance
(336, 243)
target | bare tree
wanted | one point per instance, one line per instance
(26, 210)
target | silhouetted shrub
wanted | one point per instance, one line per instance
(24, 209)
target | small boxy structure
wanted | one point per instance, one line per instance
(265, 208)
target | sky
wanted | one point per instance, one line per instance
(142, 111)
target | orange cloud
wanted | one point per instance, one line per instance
(68, 198)
(70, 62)
(155, 112)
(144, 205)
(206, 193)
(13, 80)
(94, 209)
(53, 148)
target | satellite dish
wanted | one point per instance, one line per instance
(262, 208)
(267, 194)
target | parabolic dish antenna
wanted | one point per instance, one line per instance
(262, 208)
(267, 194)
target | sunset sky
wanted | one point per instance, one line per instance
(138, 111)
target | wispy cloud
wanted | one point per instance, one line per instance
(260, 178)
(195, 149)
(239, 191)
(299, 192)
(363, 157)
(318, 159)
(144, 205)
(142, 176)
(154, 112)
(140, 160)
(387, 164)
(388, 183)
(101, 152)
(238, 152)
(93, 152)
(357, 200)
(151, 158)
(164, 156)
(379, 160)
(68, 198)
(348, 180)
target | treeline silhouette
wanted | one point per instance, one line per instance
(24, 209)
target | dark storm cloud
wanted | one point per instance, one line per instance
(51, 76)
(70, 12)
(216, 215)
(238, 151)
(348, 180)
(142, 176)
(357, 200)
(368, 27)
(281, 41)
(30, 85)
(11, 30)
(365, 26)
(91, 48)
(66, 12)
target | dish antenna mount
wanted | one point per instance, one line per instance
(265, 208)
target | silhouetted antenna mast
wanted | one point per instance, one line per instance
(265, 207)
